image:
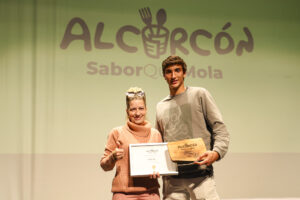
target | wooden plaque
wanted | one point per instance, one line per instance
(186, 150)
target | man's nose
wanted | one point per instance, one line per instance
(173, 74)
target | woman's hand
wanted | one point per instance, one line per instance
(155, 175)
(118, 153)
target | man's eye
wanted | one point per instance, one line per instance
(177, 70)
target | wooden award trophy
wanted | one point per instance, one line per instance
(186, 150)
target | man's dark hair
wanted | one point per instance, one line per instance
(173, 60)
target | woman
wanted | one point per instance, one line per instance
(136, 130)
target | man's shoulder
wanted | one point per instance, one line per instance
(198, 90)
(162, 104)
(167, 98)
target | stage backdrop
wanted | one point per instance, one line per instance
(66, 65)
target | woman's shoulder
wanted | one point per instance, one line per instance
(155, 132)
(116, 131)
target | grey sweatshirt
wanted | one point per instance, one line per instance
(192, 114)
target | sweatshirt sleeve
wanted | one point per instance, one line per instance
(215, 122)
(107, 162)
(158, 125)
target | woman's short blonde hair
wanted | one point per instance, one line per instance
(135, 93)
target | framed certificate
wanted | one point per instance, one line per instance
(146, 158)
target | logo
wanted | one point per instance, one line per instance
(156, 38)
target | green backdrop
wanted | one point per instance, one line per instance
(63, 89)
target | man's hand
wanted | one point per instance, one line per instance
(208, 158)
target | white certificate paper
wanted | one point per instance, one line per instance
(146, 158)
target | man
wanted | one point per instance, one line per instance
(190, 112)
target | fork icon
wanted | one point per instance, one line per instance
(146, 17)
